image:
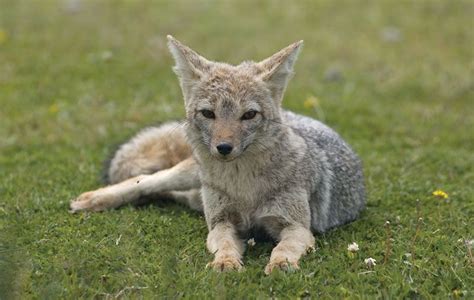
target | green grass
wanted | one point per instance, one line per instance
(73, 83)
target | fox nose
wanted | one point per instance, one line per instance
(224, 148)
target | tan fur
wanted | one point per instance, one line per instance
(152, 149)
(294, 242)
(223, 242)
(181, 177)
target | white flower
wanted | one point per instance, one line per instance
(251, 242)
(469, 243)
(370, 262)
(353, 247)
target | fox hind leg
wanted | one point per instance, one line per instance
(191, 198)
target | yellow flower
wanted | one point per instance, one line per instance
(3, 36)
(53, 109)
(311, 102)
(457, 293)
(440, 194)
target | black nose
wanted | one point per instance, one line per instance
(224, 148)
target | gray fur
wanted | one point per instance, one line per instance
(328, 173)
(334, 173)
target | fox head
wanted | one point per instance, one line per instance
(229, 108)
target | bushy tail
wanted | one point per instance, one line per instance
(150, 150)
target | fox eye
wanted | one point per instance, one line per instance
(208, 114)
(249, 115)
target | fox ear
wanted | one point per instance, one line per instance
(277, 70)
(190, 66)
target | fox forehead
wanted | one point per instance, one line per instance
(231, 86)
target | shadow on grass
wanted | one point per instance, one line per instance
(264, 243)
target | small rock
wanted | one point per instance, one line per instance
(333, 74)
(391, 34)
(106, 55)
(72, 6)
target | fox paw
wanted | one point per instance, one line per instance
(91, 201)
(225, 263)
(281, 263)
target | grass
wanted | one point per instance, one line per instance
(394, 78)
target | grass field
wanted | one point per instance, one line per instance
(394, 78)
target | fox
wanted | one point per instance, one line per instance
(240, 159)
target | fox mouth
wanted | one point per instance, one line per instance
(227, 158)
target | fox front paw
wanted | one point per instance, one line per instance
(281, 263)
(226, 263)
(92, 201)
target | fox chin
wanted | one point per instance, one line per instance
(241, 159)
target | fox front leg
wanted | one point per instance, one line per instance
(295, 241)
(226, 246)
(288, 219)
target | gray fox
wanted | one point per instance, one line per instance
(241, 159)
